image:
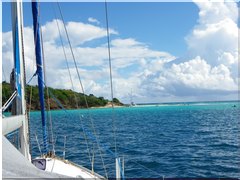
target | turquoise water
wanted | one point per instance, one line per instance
(177, 140)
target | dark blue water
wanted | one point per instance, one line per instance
(196, 140)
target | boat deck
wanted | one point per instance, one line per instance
(15, 165)
(58, 165)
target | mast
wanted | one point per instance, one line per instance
(39, 62)
(19, 77)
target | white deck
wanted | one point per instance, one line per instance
(15, 165)
(67, 168)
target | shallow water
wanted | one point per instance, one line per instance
(177, 140)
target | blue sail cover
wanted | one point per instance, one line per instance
(17, 69)
(38, 53)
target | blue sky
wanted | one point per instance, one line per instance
(161, 51)
(169, 22)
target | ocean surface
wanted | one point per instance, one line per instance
(165, 140)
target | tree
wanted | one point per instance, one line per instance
(115, 100)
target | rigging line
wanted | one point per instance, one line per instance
(75, 97)
(9, 101)
(79, 78)
(78, 74)
(49, 115)
(31, 78)
(30, 103)
(64, 52)
(85, 137)
(39, 147)
(30, 99)
(110, 74)
(12, 133)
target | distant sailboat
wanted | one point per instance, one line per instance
(131, 100)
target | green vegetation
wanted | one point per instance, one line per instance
(68, 98)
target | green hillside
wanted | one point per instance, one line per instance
(66, 97)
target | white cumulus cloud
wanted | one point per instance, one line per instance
(209, 71)
(93, 20)
(216, 35)
(212, 69)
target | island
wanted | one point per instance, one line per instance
(66, 98)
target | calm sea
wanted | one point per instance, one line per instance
(176, 140)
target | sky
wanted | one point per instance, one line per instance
(160, 52)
